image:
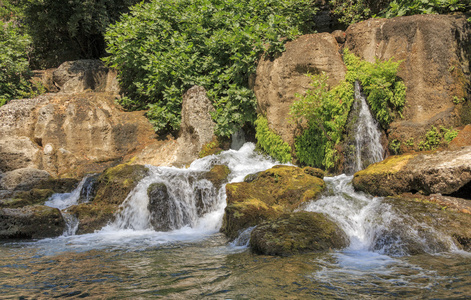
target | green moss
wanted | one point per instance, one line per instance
(218, 174)
(211, 148)
(31, 197)
(273, 192)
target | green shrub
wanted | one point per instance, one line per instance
(434, 138)
(325, 111)
(270, 142)
(69, 30)
(14, 70)
(415, 7)
(164, 47)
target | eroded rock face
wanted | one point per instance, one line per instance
(435, 53)
(444, 172)
(69, 134)
(273, 192)
(279, 80)
(36, 221)
(463, 139)
(297, 233)
(23, 179)
(87, 74)
(197, 128)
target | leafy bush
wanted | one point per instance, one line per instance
(14, 71)
(69, 30)
(270, 142)
(434, 138)
(164, 47)
(325, 111)
(415, 7)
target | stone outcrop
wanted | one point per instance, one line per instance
(69, 135)
(35, 221)
(23, 179)
(297, 233)
(444, 172)
(435, 55)
(463, 139)
(197, 127)
(279, 80)
(268, 195)
(85, 75)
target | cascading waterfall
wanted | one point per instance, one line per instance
(368, 148)
(184, 198)
(62, 201)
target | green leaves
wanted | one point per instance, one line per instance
(270, 142)
(163, 47)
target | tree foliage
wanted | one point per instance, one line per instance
(14, 70)
(164, 47)
(69, 30)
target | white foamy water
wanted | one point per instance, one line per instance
(65, 200)
(368, 148)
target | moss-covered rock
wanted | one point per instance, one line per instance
(27, 222)
(297, 233)
(24, 198)
(443, 172)
(58, 185)
(273, 192)
(218, 175)
(113, 186)
(161, 207)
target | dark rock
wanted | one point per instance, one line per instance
(25, 198)
(30, 222)
(297, 233)
(162, 208)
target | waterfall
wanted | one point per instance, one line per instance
(367, 136)
(183, 197)
(373, 225)
(81, 194)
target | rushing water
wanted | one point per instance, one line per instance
(129, 259)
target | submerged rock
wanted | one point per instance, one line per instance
(445, 172)
(297, 233)
(274, 191)
(27, 222)
(113, 186)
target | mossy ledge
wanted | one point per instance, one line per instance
(273, 192)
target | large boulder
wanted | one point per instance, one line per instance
(435, 55)
(28, 222)
(112, 188)
(70, 134)
(268, 195)
(84, 75)
(278, 80)
(197, 127)
(444, 172)
(297, 233)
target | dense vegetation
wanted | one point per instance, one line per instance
(353, 11)
(325, 111)
(164, 47)
(270, 142)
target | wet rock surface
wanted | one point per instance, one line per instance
(297, 233)
(30, 222)
(273, 192)
(442, 172)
